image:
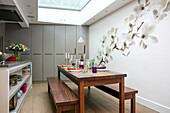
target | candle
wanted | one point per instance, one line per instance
(66, 56)
(75, 51)
(84, 49)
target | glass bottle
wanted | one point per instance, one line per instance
(81, 60)
(86, 66)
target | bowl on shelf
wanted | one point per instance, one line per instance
(5, 56)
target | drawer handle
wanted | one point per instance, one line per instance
(59, 53)
(48, 54)
(72, 54)
(80, 54)
(36, 53)
(25, 54)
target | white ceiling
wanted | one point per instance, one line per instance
(30, 10)
(106, 11)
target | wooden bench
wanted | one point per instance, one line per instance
(113, 90)
(64, 98)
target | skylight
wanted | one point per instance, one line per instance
(76, 5)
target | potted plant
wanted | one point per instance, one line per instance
(17, 49)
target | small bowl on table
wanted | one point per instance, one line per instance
(3, 57)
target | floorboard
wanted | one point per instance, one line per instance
(96, 101)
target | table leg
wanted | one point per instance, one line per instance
(122, 97)
(48, 88)
(133, 104)
(81, 96)
(58, 74)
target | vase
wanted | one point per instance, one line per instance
(17, 54)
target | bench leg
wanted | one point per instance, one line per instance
(76, 108)
(58, 74)
(133, 104)
(59, 109)
(48, 88)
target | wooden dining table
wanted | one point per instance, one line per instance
(95, 79)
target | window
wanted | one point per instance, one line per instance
(75, 5)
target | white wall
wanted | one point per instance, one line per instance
(147, 70)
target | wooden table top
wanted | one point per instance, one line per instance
(91, 76)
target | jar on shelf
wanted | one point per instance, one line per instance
(13, 102)
(13, 80)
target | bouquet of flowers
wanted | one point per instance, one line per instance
(17, 48)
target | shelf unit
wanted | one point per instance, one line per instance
(6, 93)
(21, 100)
(14, 89)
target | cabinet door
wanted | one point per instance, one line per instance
(60, 39)
(37, 67)
(82, 32)
(60, 42)
(11, 34)
(37, 32)
(59, 59)
(25, 38)
(48, 51)
(71, 35)
(37, 52)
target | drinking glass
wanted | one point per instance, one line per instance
(86, 66)
(94, 69)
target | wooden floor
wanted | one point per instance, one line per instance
(96, 101)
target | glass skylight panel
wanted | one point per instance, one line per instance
(76, 5)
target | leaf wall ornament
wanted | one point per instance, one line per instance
(167, 7)
(139, 31)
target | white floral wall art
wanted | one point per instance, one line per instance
(139, 27)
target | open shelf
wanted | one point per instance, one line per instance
(14, 89)
(7, 93)
(21, 100)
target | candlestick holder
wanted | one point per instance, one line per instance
(84, 56)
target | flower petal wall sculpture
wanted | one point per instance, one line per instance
(139, 26)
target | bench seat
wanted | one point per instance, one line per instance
(113, 89)
(64, 98)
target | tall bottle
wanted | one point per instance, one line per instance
(81, 60)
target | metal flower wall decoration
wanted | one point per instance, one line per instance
(140, 25)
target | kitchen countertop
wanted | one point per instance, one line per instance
(13, 63)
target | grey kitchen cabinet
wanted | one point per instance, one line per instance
(71, 36)
(48, 66)
(60, 46)
(60, 39)
(37, 39)
(48, 38)
(48, 51)
(59, 59)
(12, 34)
(37, 67)
(37, 33)
(25, 38)
(48, 44)
(82, 31)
